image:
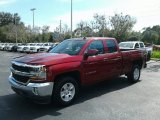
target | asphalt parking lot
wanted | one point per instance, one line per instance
(116, 99)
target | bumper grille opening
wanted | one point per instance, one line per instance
(20, 78)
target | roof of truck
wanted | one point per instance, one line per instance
(91, 38)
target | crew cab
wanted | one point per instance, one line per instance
(57, 75)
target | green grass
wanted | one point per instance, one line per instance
(156, 54)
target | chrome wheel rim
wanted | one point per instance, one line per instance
(136, 74)
(67, 92)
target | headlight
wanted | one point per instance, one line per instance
(39, 73)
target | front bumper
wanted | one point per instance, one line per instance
(41, 92)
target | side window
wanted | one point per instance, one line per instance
(112, 47)
(97, 45)
(141, 45)
(136, 45)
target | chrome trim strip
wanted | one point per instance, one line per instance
(21, 73)
(34, 89)
(26, 65)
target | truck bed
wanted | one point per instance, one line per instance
(128, 56)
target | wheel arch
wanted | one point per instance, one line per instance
(75, 74)
(138, 62)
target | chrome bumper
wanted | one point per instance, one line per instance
(32, 90)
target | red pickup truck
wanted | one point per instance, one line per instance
(58, 75)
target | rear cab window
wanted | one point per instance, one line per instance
(136, 45)
(111, 46)
(141, 45)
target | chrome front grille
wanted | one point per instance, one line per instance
(21, 68)
(21, 72)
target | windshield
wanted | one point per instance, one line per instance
(126, 45)
(71, 47)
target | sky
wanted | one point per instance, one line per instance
(50, 12)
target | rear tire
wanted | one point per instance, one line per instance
(134, 75)
(65, 91)
(149, 57)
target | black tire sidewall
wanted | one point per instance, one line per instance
(131, 75)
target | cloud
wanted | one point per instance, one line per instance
(78, 16)
(6, 2)
(147, 13)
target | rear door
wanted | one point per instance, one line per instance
(113, 59)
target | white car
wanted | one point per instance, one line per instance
(131, 45)
(9, 46)
(3, 46)
(35, 48)
(45, 47)
(26, 49)
(20, 47)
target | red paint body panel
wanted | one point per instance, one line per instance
(91, 70)
(48, 59)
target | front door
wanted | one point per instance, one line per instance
(93, 67)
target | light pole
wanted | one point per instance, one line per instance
(15, 19)
(33, 9)
(71, 18)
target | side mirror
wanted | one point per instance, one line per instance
(90, 52)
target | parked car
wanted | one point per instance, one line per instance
(132, 45)
(26, 49)
(52, 46)
(35, 48)
(3, 46)
(45, 47)
(9, 47)
(15, 47)
(58, 75)
(20, 47)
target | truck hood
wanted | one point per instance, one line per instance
(47, 59)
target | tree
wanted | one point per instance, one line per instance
(134, 36)
(50, 37)
(7, 18)
(151, 35)
(83, 30)
(99, 24)
(10, 24)
(45, 33)
(122, 25)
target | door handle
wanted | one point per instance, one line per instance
(117, 58)
(105, 59)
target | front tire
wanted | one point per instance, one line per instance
(134, 75)
(65, 91)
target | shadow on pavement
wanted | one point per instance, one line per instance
(15, 107)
